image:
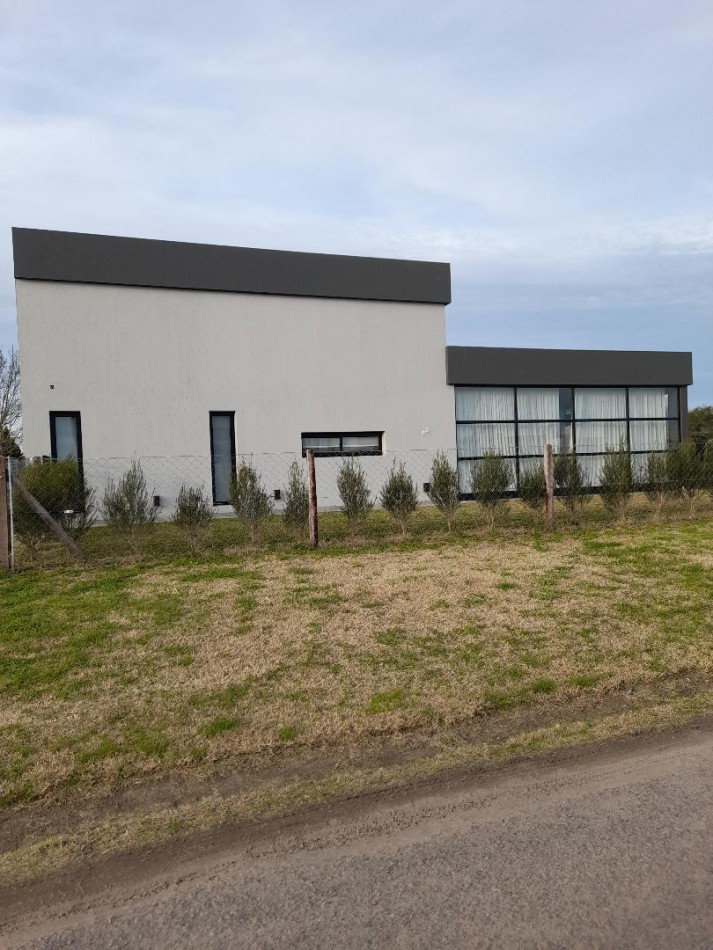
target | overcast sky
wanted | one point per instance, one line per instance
(559, 154)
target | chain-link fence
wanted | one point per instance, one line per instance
(119, 508)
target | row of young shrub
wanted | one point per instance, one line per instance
(128, 507)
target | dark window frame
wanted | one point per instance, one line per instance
(573, 420)
(341, 452)
(233, 452)
(73, 414)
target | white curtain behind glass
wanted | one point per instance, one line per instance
(649, 436)
(648, 403)
(600, 436)
(600, 404)
(591, 466)
(476, 403)
(533, 436)
(498, 439)
(538, 404)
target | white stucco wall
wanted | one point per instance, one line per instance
(144, 367)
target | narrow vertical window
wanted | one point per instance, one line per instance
(65, 435)
(222, 455)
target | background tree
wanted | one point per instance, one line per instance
(399, 495)
(700, 425)
(686, 472)
(444, 490)
(10, 409)
(490, 481)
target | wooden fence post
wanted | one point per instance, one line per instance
(5, 539)
(549, 488)
(312, 488)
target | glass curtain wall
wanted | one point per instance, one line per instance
(517, 422)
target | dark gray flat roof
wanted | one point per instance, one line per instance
(508, 366)
(138, 262)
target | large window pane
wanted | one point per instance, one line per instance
(533, 436)
(223, 455)
(474, 403)
(649, 436)
(600, 404)
(474, 440)
(66, 436)
(466, 468)
(600, 436)
(538, 404)
(653, 402)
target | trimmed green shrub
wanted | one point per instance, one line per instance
(193, 515)
(617, 481)
(296, 513)
(490, 481)
(354, 493)
(570, 485)
(399, 495)
(251, 502)
(62, 490)
(533, 489)
(128, 507)
(444, 490)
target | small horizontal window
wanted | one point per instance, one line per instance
(343, 443)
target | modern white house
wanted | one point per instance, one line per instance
(161, 350)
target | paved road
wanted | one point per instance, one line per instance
(606, 851)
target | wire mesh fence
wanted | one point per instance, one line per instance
(153, 506)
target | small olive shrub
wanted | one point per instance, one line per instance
(354, 493)
(617, 483)
(250, 501)
(128, 506)
(532, 487)
(490, 482)
(444, 490)
(399, 495)
(193, 515)
(570, 486)
(296, 513)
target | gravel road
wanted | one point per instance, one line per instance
(606, 850)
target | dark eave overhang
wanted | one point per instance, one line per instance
(138, 262)
(509, 366)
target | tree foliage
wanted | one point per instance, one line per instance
(700, 426)
(533, 489)
(62, 490)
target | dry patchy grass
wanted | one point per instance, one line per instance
(119, 674)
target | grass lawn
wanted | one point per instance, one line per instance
(111, 675)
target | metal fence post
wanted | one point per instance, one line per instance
(5, 537)
(312, 487)
(549, 488)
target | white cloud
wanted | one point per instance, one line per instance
(556, 153)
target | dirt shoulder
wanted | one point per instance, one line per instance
(103, 879)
